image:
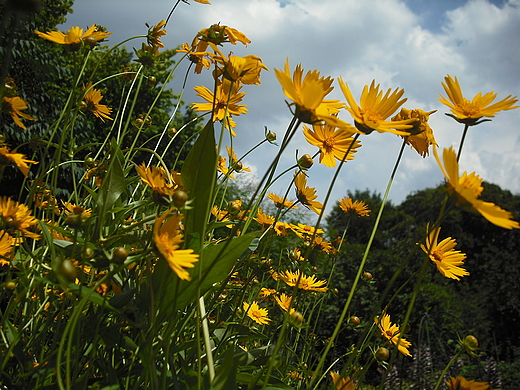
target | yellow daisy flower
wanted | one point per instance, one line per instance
(6, 247)
(391, 332)
(301, 230)
(280, 202)
(6, 158)
(256, 313)
(469, 112)
(234, 162)
(281, 228)
(199, 58)
(308, 96)
(91, 103)
(156, 178)
(264, 219)
(342, 383)
(446, 259)
(374, 109)
(356, 207)
(227, 92)
(14, 107)
(75, 35)
(468, 188)
(421, 134)
(167, 239)
(265, 293)
(16, 216)
(244, 69)
(332, 141)
(306, 195)
(460, 383)
(155, 33)
(285, 302)
(309, 283)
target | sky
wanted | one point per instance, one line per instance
(401, 44)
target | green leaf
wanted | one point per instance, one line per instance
(199, 177)
(225, 375)
(114, 183)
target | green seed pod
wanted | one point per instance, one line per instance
(120, 255)
(382, 354)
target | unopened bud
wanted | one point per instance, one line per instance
(305, 161)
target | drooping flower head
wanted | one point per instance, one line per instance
(308, 96)
(157, 179)
(375, 108)
(168, 239)
(391, 332)
(6, 158)
(91, 103)
(308, 283)
(234, 68)
(421, 134)
(14, 106)
(333, 142)
(75, 35)
(470, 112)
(354, 207)
(306, 195)
(228, 95)
(217, 35)
(444, 256)
(460, 383)
(256, 313)
(155, 33)
(468, 189)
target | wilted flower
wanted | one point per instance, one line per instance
(155, 33)
(421, 134)
(244, 69)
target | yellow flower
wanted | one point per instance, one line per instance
(155, 33)
(91, 103)
(280, 202)
(267, 292)
(264, 219)
(356, 207)
(227, 92)
(447, 260)
(421, 134)
(469, 112)
(16, 216)
(256, 313)
(305, 194)
(281, 228)
(391, 332)
(156, 178)
(74, 35)
(244, 69)
(301, 230)
(234, 162)
(6, 158)
(460, 383)
(199, 58)
(468, 188)
(202, 1)
(332, 141)
(168, 239)
(14, 106)
(6, 247)
(308, 96)
(285, 302)
(308, 283)
(76, 214)
(342, 383)
(374, 109)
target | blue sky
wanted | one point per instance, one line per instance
(407, 44)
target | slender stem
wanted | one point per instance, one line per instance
(466, 127)
(443, 373)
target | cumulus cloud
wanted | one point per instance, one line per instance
(411, 45)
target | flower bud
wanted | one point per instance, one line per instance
(271, 137)
(382, 354)
(179, 198)
(305, 161)
(470, 344)
(367, 276)
(354, 321)
(296, 318)
(152, 80)
(67, 270)
(120, 255)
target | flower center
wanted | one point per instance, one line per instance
(438, 255)
(469, 108)
(328, 144)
